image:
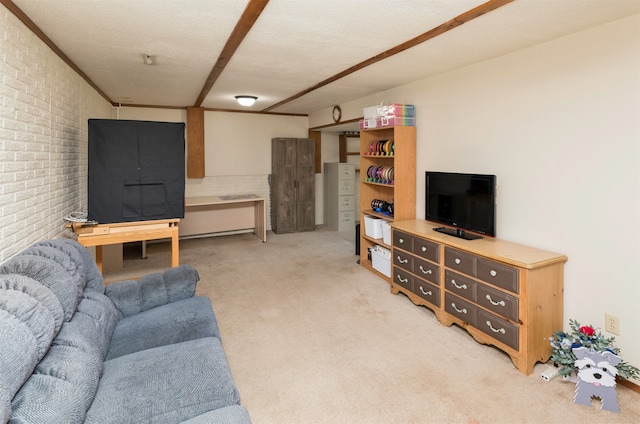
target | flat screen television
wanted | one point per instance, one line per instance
(463, 201)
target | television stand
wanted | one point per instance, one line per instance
(503, 294)
(457, 233)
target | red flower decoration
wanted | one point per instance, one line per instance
(587, 330)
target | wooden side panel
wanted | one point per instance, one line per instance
(544, 314)
(316, 136)
(195, 142)
(405, 173)
(306, 187)
(283, 190)
(342, 148)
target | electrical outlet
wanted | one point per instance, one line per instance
(612, 324)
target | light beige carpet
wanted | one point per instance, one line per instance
(312, 337)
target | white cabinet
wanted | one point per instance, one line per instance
(339, 196)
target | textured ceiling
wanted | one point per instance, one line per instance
(293, 45)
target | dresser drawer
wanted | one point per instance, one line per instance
(403, 260)
(460, 308)
(460, 285)
(346, 171)
(346, 187)
(402, 278)
(403, 241)
(427, 270)
(346, 220)
(499, 302)
(426, 249)
(498, 274)
(346, 203)
(427, 291)
(460, 261)
(498, 328)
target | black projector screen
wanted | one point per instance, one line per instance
(136, 170)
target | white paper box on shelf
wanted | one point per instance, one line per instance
(370, 123)
(386, 232)
(373, 112)
(370, 112)
(381, 260)
(373, 226)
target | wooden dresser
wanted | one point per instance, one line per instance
(504, 294)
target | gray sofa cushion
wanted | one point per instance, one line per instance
(75, 270)
(48, 400)
(94, 278)
(28, 323)
(74, 251)
(234, 414)
(152, 290)
(99, 309)
(36, 290)
(51, 275)
(5, 403)
(64, 384)
(61, 388)
(167, 384)
(82, 332)
(175, 322)
(74, 365)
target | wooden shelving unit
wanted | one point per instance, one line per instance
(402, 192)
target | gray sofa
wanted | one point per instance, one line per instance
(73, 350)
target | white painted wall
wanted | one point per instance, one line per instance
(559, 124)
(240, 143)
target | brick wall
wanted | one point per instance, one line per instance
(44, 108)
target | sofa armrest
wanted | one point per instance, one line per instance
(152, 290)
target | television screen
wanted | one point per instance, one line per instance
(463, 201)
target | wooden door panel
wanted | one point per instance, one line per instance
(305, 174)
(292, 185)
(305, 216)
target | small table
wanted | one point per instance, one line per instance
(213, 214)
(125, 232)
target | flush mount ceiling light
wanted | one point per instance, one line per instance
(246, 100)
(149, 59)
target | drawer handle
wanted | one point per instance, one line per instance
(402, 280)
(425, 271)
(401, 240)
(499, 330)
(461, 311)
(402, 261)
(462, 286)
(428, 293)
(424, 249)
(493, 272)
(500, 303)
(457, 261)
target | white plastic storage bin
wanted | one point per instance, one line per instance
(386, 232)
(381, 260)
(373, 226)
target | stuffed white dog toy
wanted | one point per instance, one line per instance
(596, 378)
